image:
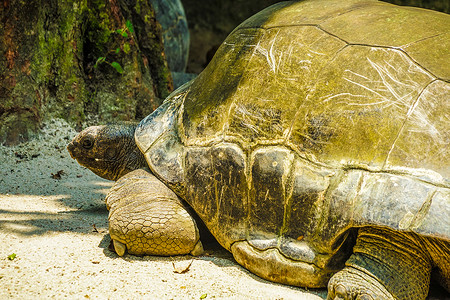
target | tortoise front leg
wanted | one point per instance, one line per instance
(147, 218)
(385, 264)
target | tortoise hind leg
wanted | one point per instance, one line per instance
(147, 218)
(385, 264)
(440, 252)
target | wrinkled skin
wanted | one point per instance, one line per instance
(108, 151)
(171, 229)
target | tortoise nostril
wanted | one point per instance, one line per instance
(70, 146)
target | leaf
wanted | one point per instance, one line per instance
(12, 256)
(20, 155)
(58, 174)
(126, 48)
(122, 32)
(100, 60)
(117, 66)
(203, 296)
(129, 26)
(117, 50)
(180, 269)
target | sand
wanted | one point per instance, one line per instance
(54, 219)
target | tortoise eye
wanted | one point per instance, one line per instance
(87, 143)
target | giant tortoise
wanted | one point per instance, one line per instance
(314, 147)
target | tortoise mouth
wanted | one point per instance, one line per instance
(270, 264)
(71, 148)
(82, 159)
(93, 163)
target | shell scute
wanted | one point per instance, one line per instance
(270, 169)
(218, 191)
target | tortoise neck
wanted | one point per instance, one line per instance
(129, 157)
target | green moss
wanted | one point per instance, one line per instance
(55, 65)
(152, 46)
(99, 28)
(58, 43)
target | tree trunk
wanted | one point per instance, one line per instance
(78, 59)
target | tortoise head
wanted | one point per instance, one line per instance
(108, 150)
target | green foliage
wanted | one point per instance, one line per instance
(12, 256)
(113, 64)
(203, 296)
(100, 60)
(122, 32)
(126, 48)
(117, 66)
(129, 26)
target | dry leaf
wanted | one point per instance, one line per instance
(181, 268)
(58, 174)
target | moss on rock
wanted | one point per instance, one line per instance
(50, 68)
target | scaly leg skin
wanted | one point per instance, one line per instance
(385, 264)
(147, 218)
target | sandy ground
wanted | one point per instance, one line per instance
(53, 218)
